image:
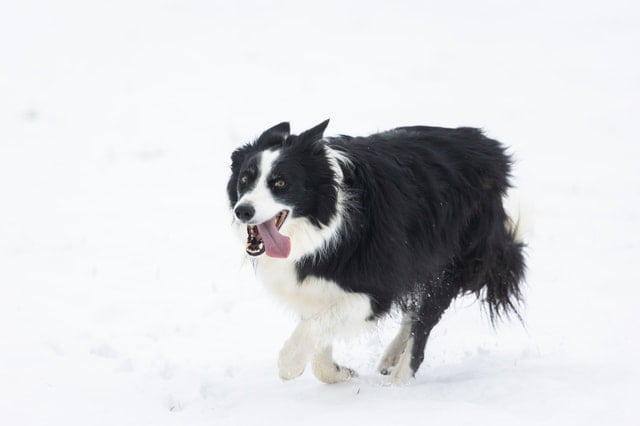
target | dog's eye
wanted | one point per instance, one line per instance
(244, 179)
(279, 183)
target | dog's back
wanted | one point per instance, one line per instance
(426, 205)
(431, 225)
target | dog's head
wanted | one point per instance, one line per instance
(284, 189)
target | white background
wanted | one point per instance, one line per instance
(123, 298)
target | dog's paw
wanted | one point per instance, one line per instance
(395, 350)
(291, 362)
(402, 372)
(333, 373)
(388, 361)
(400, 376)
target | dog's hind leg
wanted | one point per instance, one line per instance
(326, 370)
(397, 346)
(432, 306)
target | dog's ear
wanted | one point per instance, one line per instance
(237, 158)
(315, 133)
(276, 135)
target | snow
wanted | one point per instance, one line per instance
(124, 299)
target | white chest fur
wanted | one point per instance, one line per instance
(314, 297)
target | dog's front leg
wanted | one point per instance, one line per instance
(305, 340)
(327, 370)
(312, 338)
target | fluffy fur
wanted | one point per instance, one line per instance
(411, 217)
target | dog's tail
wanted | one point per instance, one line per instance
(494, 262)
(506, 270)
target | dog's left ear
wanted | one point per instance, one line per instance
(314, 133)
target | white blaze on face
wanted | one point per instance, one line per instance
(260, 196)
(306, 238)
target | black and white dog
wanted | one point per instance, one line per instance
(344, 229)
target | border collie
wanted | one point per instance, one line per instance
(344, 229)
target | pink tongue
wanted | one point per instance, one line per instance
(275, 244)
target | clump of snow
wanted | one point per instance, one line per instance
(124, 300)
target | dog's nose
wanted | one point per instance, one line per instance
(245, 212)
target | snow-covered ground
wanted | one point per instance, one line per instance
(123, 299)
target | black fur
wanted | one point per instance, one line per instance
(302, 164)
(424, 217)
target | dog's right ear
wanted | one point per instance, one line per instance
(237, 158)
(274, 136)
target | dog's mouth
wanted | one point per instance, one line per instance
(266, 237)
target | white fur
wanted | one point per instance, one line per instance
(327, 371)
(326, 312)
(402, 372)
(313, 297)
(397, 346)
(518, 222)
